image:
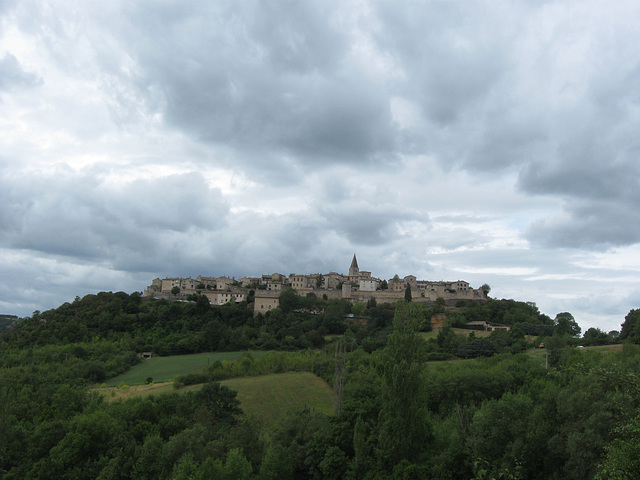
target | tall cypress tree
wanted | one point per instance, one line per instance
(405, 429)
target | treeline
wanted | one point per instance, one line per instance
(175, 327)
(171, 327)
(321, 364)
(526, 317)
(400, 416)
(505, 312)
(500, 417)
(87, 330)
(71, 434)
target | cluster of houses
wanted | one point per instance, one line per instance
(357, 285)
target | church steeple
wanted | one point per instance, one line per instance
(353, 269)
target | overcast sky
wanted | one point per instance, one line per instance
(493, 141)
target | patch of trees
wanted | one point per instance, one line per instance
(505, 312)
(170, 327)
(631, 327)
(272, 362)
(497, 414)
(82, 437)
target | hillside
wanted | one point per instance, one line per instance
(266, 397)
(489, 410)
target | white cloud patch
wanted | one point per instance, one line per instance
(13, 75)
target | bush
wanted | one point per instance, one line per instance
(480, 347)
(191, 379)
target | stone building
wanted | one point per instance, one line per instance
(220, 298)
(357, 286)
(265, 301)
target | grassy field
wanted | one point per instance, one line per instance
(267, 397)
(541, 353)
(606, 348)
(164, 369)
(122, 392)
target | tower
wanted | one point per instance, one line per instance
(353, 269)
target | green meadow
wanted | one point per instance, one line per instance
(269, 397)
(165, 369)
(266, 397)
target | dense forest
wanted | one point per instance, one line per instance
(410, 405)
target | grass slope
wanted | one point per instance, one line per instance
(541, 353)
(267, 397)
(164, 369)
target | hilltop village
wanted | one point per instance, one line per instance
(357, 286)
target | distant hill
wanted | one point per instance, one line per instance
(7, 321)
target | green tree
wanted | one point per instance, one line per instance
(294, 434)
(407, 293)
(147, 465)
(556, 346)
(358, 309)
(479, 347)
(185, 468)
(210, 468)
(405, 430)
(622, 457)
(363, 460)
(175, 290)
(289, 300)
(220, 401)
(334, 464)
(595, 336)
(565, 323)
(439, 305)
(497, 432)
(83, 447)
(448, 341)
(237, 467)
(631, 326)
(276, 464)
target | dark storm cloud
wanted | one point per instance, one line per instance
(595, 175)
(451, 59)
(261, 76)
(595, 169)
(259, 243)
(482, 113)
(589, 225)
(85, 217)
(364, 223)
